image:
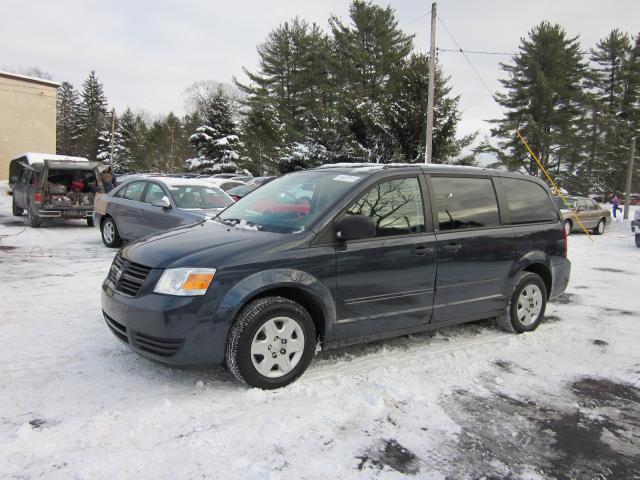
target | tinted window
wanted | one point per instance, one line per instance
(154, 193)
(465, 203)
(529, 202)
(396, 206)
(134, 191)
(199, 196)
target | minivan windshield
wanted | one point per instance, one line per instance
(290, 204)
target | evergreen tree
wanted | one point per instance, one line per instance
(542, 98)
(216, 142)
(67, 112)
(93, 116)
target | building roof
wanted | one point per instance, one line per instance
(25, 78)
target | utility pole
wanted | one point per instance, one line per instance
(428, 151)
(113, 132)
(627, 197)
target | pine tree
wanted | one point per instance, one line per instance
(67, 113)
(542, 97)
(93, 116)
(216, 142)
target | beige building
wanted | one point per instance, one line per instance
(27, 117)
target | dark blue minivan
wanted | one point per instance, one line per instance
(338, 255)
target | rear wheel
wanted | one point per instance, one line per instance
(638, 240)
(599, 230)
(90, 222)
(17, 211)
(568, 226)
(32, 218)
(527, 304)
(110, 236)
(271, 343)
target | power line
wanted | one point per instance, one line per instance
(466, 58)
(453, 50)
(414, 20)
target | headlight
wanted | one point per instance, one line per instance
(185, 282)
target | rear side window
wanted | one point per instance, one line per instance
(465, 203)
(528, 202)
(134, 191)
(395, 206)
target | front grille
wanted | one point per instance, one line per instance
(126, 276)
(164, 347)
(118, 329)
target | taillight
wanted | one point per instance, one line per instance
(564, 236)
(37, 197)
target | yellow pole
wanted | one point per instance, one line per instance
(555, 187)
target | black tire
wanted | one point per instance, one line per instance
(509, 320)
(599, 228)
(251, 319)
(111, 241)
(637, 240)
(568, 227)
(32, 218)
(17, 211)
(90, 222)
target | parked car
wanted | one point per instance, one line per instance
(53, 187)
(261, 180)
(241, 191)
(224, 175)
(149, 205)
(592, 215)
(379, 251)
(223, 183)
(242, 178)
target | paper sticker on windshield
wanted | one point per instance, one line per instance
(346, 178)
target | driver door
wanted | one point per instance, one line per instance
(386, 283)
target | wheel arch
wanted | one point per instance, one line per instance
(544, 272)
(295, 285)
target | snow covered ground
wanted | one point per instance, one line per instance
(465, 402)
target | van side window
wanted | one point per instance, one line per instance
(528, 202)
(465, 202)
(134, 191)
(396, 206)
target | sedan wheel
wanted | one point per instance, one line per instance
(110, 235)
(599, 230)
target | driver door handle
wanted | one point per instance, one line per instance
(422, 250)
(452, 247)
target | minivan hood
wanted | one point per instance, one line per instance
(203, 244)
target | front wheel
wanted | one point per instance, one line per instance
(271, 343)
(90, 222)
(32, 218)
(110, 236)
(599, 230)
(638, 240)
(526, 306)
(568, 227)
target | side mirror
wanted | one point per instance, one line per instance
(162, 202)
(355, 227)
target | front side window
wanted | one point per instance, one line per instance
(529, 202)
(465, 203)
(395, 206)
(154, 193)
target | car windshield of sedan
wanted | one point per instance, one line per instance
(290, 204)
(571, 203)
(199, 197)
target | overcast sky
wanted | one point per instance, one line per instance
(146, 54)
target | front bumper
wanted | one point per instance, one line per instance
(560, 275)
(171, 330)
